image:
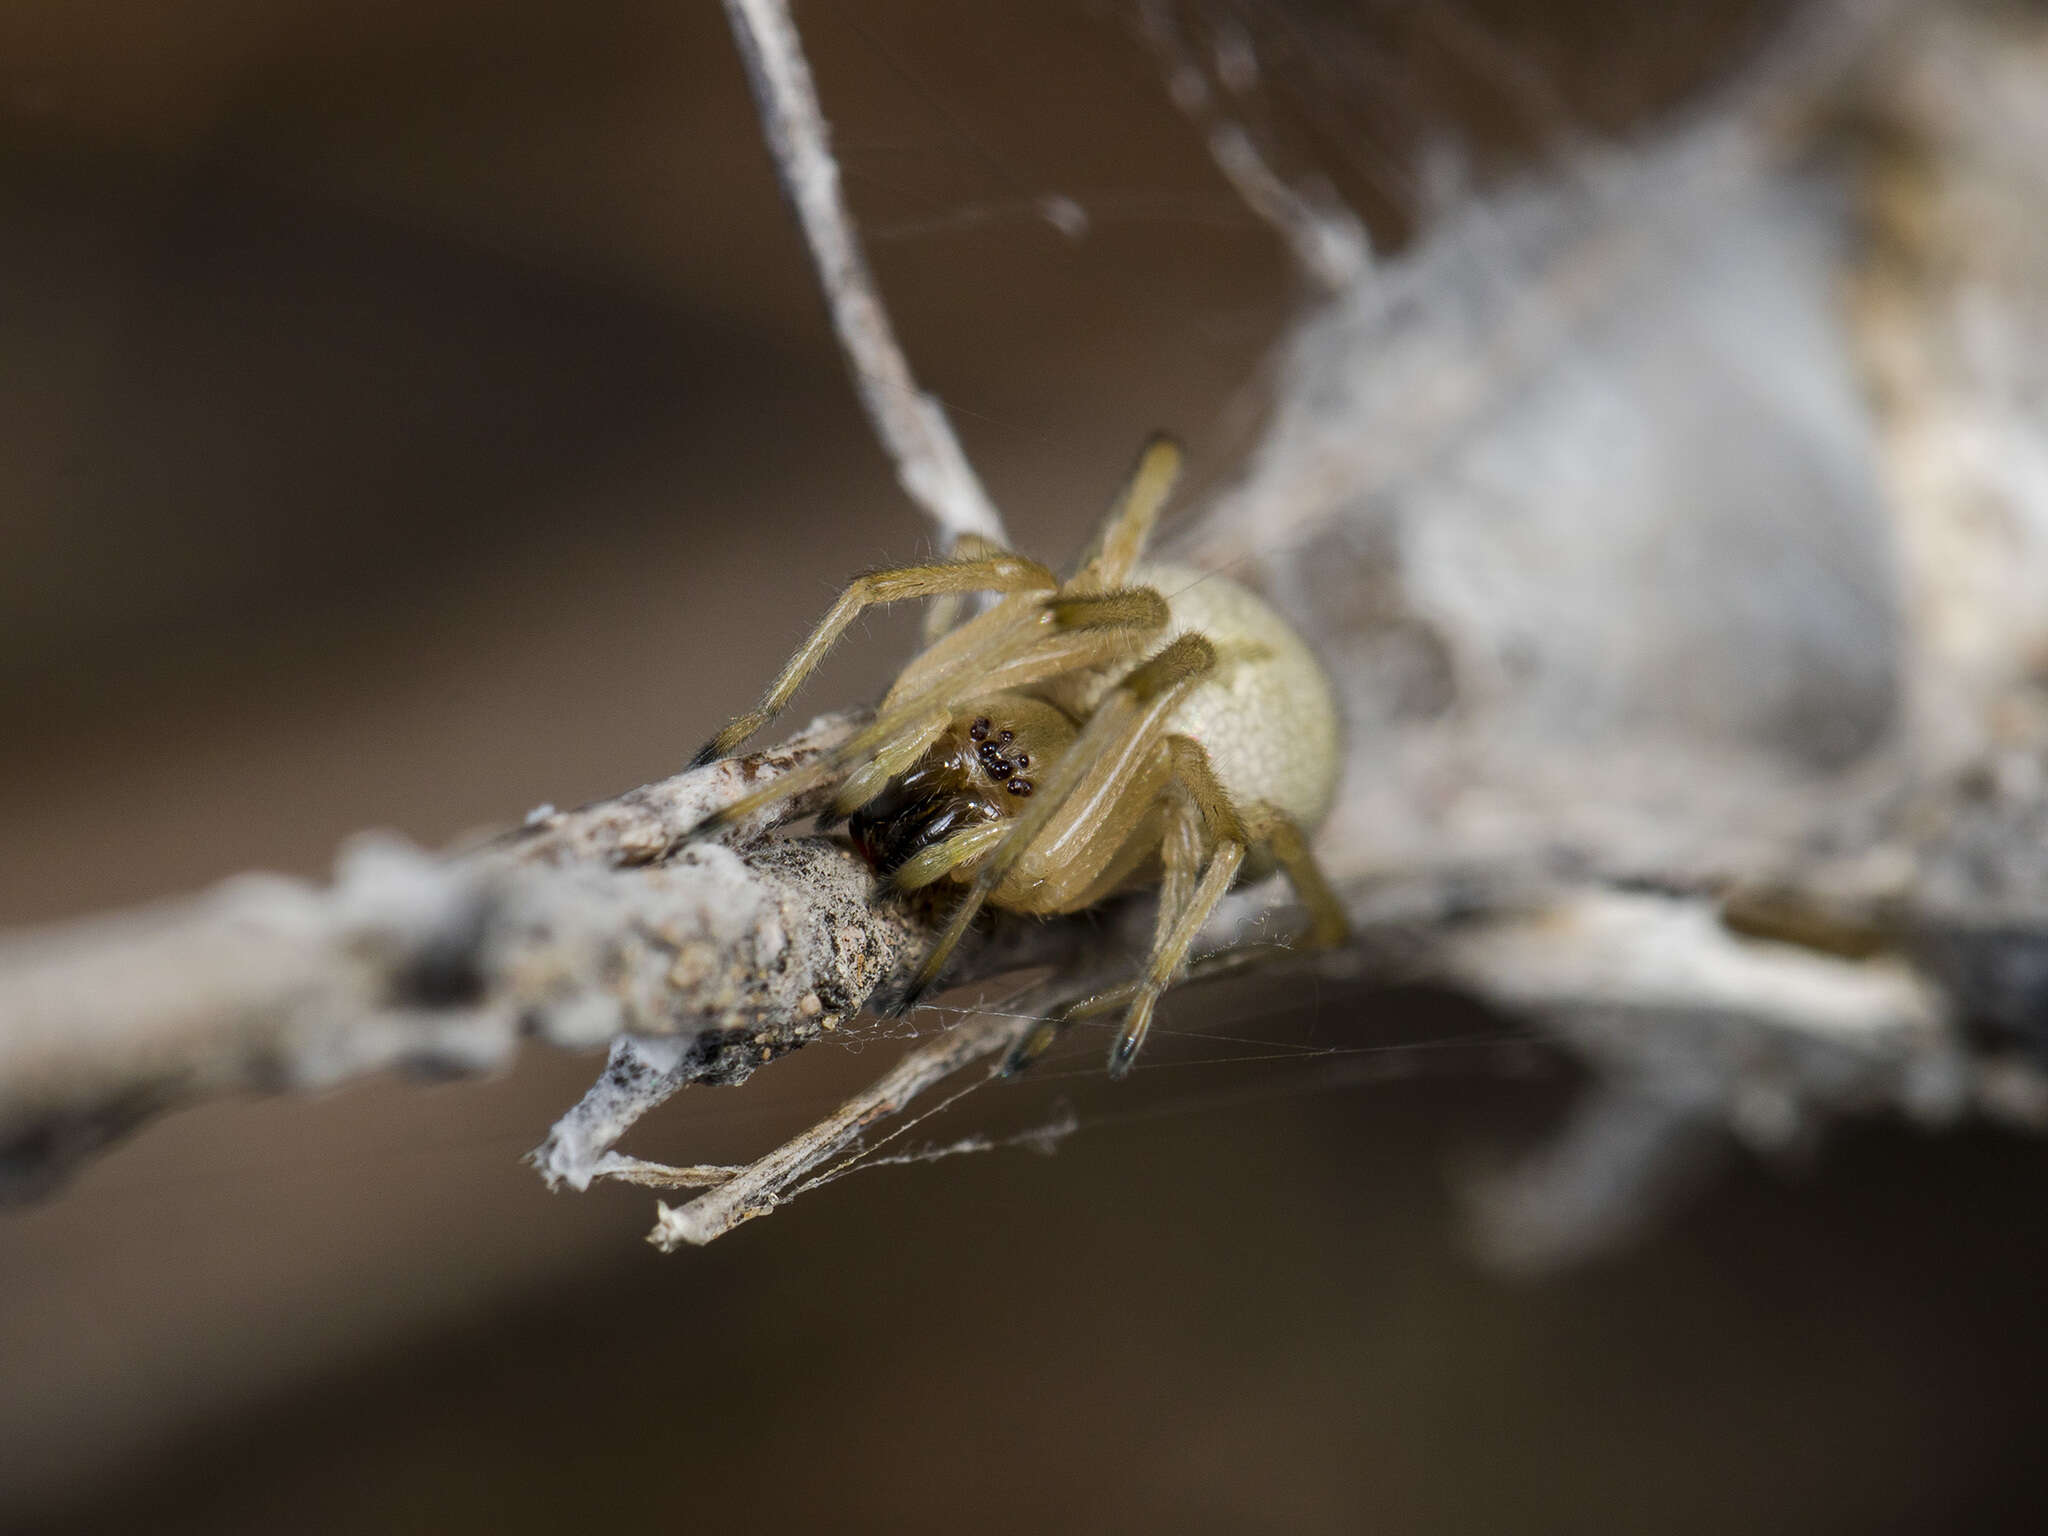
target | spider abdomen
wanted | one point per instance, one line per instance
(1268, 717)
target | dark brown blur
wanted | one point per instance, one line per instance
(417, 412)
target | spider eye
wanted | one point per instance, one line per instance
(1023, 761)
(1019, 786)
(979, 730)
(1006, 736)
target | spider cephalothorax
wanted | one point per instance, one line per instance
(1125, 725)
(974, 775)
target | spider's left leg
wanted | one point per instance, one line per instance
(944, 611)
(1128, 528)
(1005, 648)
(1003, 572)
(1084, 788)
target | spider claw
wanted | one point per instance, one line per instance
(909, 997)
(706, 754)
(1131, 1038)
(1030, 1048)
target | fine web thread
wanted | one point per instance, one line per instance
(1390, 1061)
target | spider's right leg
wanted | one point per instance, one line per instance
(1180, 859)
(1204, 815)
(989, 573)
(1328, 926)
(1180, 922)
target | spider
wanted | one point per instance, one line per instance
(1128, 724)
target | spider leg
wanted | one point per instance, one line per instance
(1231, 834)
(1128, 528)
(1125, 728)
(989, 573)
(1131, 608)
(944, 611)
(1276, 830)
(1203, 814)
(1094, 632)
(888, 735)
(896, 756)
(1087, 632)
(1215, 964)
(1180, 857)
(1204, 805)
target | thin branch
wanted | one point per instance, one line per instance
(764, 1184)
(911, 424)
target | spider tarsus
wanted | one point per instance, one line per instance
(706, 754)
(1131, 1038)
(900, 1003)
(1030, 1048)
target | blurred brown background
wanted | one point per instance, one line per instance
(418, 412)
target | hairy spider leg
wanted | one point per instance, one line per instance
(1265, 826)
(982, 656)
(990, 573)
(1026, 638)
(944, 611)
(1278, 832)
(1094, 772)
(1207, 818)
(897, 755)
(1203, 814)
(926, 723)
(1085, 633)
(1120, 543)
(1047, 1031)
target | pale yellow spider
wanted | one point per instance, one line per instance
(1129, 725)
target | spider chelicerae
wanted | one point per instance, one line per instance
(1128, 724)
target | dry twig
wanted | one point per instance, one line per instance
(911, 424)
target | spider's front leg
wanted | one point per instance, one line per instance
(1201, 848)
(1001, 572)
